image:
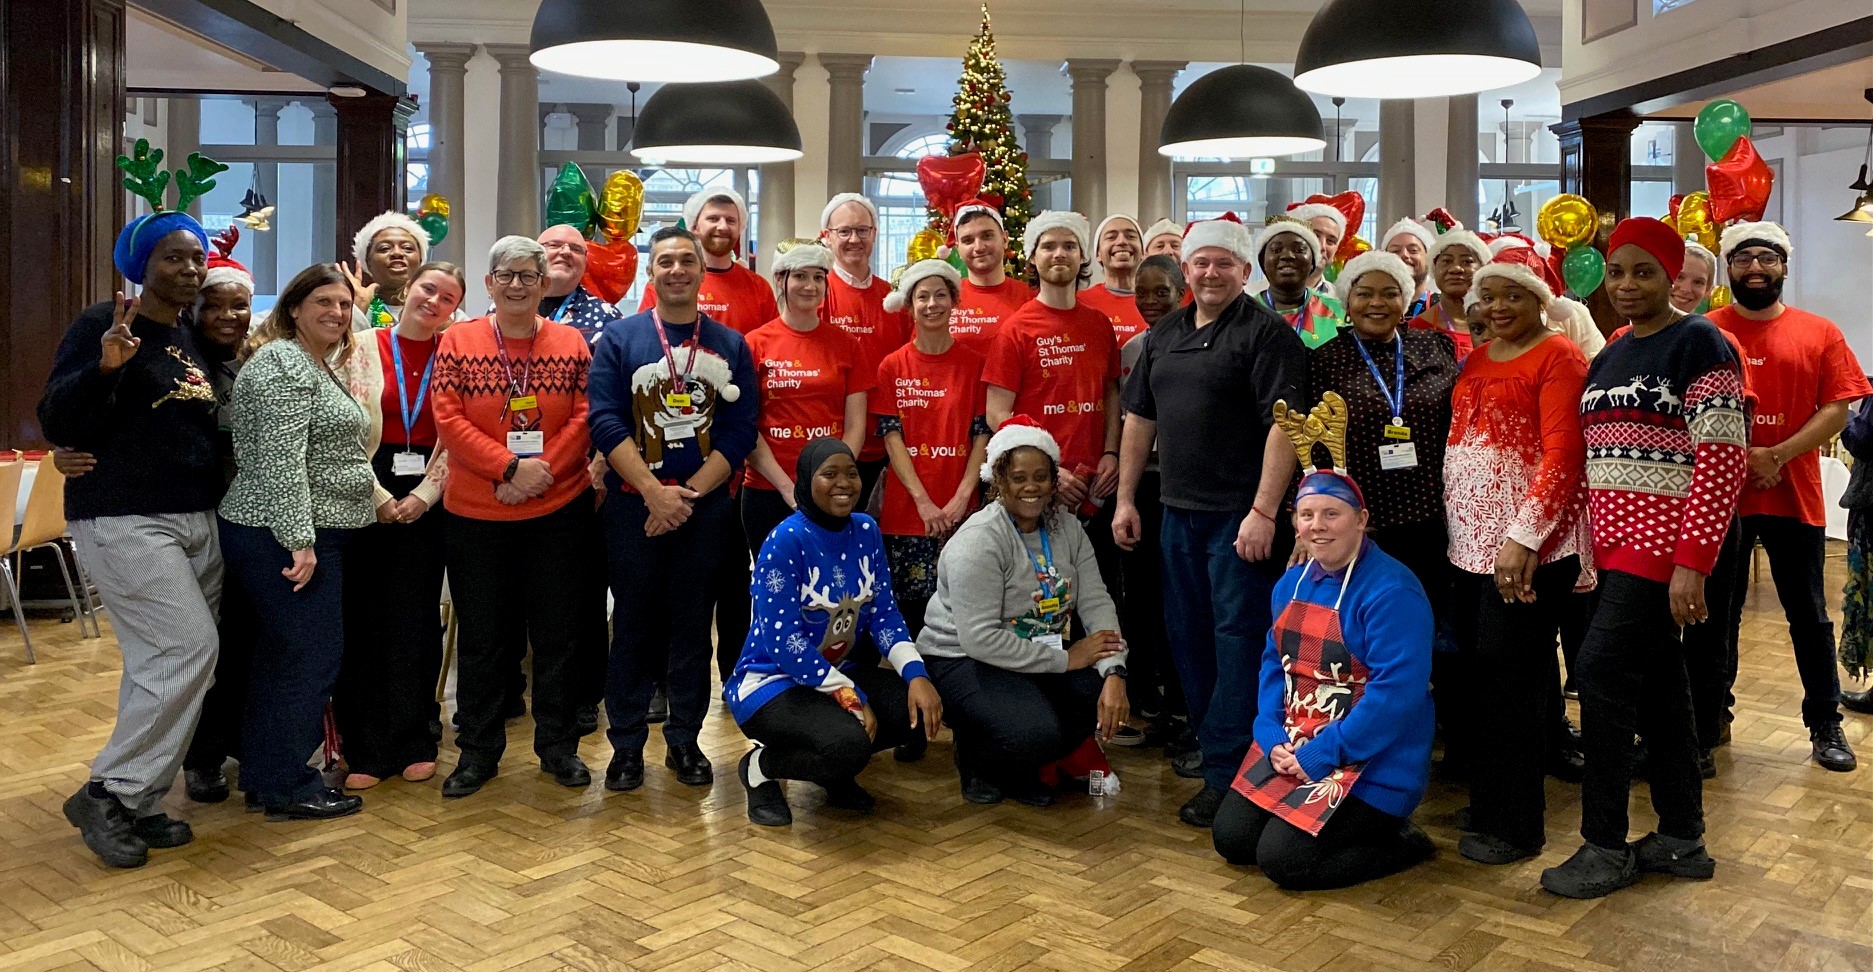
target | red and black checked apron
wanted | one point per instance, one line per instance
(1323, 681)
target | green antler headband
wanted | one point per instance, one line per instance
(146, 179)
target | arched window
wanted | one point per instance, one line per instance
(934, 143)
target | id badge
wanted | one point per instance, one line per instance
(526, 443)
(523, 403)
(676, 400)
(1401, 433)
(1049, 605)
(1050, 641)
(408, 464)
(1403, 455)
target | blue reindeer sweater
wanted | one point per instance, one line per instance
(815, 592)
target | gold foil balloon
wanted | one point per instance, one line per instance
(621, 205)
(1694, 219)
(1720, 297)
(924, 245)
(1567, 221)
(432, 214)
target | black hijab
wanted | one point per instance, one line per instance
(811, 458)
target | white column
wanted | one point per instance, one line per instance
(325, 184)
(1037, 138)
(776, 193)
(1398, 175)
(183, 137)
(1687, 161)
(1430, 153)
(845, 126)
(448, 76)
(1154, 102)
(1089, 77)
(266, 266)
(517, 205)
(1518, 140)
(1463, 169)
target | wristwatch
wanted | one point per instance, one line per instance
(513, 466)
(1120, 671)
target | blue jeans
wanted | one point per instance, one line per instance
(1216, 614)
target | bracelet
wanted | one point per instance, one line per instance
(1258, 512)
(513, 466)
(1114, 453)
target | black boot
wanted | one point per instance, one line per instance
(767, 803)
(106, 827)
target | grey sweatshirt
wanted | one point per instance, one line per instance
(987, 595)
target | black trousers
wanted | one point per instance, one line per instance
(732, 605)
(1510, 715)
(663, 591)
(1710, 648)
(218, 730)
(295, 664)
(1010, 724)
(806, 735)
(1152, 684)
(761, 511)
(386, 695)
(1797, 551)
(1358, 844)
(514, 582)
(1632, 681)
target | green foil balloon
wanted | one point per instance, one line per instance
(1584, 269)
(570, 200)
(1719, 125)
(436, 225)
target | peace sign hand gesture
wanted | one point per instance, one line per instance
(119, 345)
(361, 293)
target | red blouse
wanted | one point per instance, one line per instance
(416, 358)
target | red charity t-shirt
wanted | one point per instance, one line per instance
(1120, 309)
(861, 315)
(1057, 363)
(416, 356)
(804, 378)
(1798, 362)
(980, 311)
(738, 297)
(936, 397)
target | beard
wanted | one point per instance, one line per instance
(1758, 297)
(718, 245)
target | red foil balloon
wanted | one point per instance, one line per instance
(1740, 183)
(610, 268)
(950, 180)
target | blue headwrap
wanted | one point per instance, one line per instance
(1327, 482)
(138, 240)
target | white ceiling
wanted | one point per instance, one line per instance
(159, 55)
(1836, 92)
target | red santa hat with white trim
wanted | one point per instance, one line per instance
(223, 269)
(1460, 238)
(692, 209)
(833, 204)
(1408, 227)
(1018, 431)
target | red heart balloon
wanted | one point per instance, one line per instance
(950, 180)
(1740, 183)
(1351, 205)
(610, 268)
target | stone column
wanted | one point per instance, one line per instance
(325, 225)
(775, 222)
(266, 265)
(591, 119)
(1338, 140)
(1398, 179)
(1037, 137)
(517, 205)
(1154, 170)
(448, 71)
(1462, 166)
(371, 172)
(1687, 160)
(183, 136)
(1089, 133)
(845, 129)
(1518, 140)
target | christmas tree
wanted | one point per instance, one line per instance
(983, 122)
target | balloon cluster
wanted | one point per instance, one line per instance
(949, 183)
(1351, 205)
(615, 211)
(432, 214)
(1569, 224)
(1739, 182)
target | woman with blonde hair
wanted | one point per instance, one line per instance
(303, 487)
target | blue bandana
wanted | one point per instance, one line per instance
(138, 240)
(1327, 482)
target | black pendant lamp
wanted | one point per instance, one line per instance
(726, 123)
(655, 40)
(1416, 48)
(1239, 112)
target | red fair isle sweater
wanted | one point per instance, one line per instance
(1666, 440)
(470, 389)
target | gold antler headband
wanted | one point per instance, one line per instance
(1325, 424)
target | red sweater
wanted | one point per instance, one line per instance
(470, 390)
(737, 296)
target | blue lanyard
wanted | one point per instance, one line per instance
(1395, 398)
(1417, 306)
(403, 394)
(559, 316)
(1043, 564)
(1268, 297)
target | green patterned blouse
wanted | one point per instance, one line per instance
(299, 445)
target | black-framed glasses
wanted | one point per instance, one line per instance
(1768, 261)
(527, 278)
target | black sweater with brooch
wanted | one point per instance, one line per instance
(151, 424)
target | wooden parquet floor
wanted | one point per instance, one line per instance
(529, 876)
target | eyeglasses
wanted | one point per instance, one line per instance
(1768, 261)
(852, 232)
(527, 278)
(578, 248)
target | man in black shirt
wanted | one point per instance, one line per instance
(1205, 390)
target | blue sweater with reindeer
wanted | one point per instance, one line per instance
(815, 593)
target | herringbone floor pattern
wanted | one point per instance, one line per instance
(529, 876)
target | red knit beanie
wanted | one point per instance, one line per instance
(1654, 237)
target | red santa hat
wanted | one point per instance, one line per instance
(1018, 431)
(222, 268)
(1755, 234)
(1100, 230)
(1229, 234)
(1661, 241)
(1408, 227)
(692, 209)
(974, 207)
(1460, 238)
(1374, 261)
(1053, 219)
(1522, 267)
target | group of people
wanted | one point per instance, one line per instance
(1033, 511)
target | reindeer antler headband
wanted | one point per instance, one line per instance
(1325, 423)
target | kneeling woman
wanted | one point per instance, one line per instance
(815, 708)
(995, 633)
(1343, 739)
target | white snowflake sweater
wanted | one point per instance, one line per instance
(815, 592)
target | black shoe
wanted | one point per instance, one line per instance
(250, 802)
(1593, 872)
(1861, 701)
(912, 751)
(587, 719)
(161, 831)
(206, 786)
(691, 766)
(981, 792)
(1034, 793)
(328, 805)
(467, 778)
(1706, 765)
(1567, 764)
(1186, 741)
(514, 708)
(1200, 811)
(1641, 761)
(1659, 854)
(1572, 732)
(767, 803)
(1484, 849)
(1831, 749)
(1162, 734)
(626, 772)
(1723, 733)
(105, 826)
(568, 771)
(850, 796)
(1462, 820)
(659, 710)
(1188, 765)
